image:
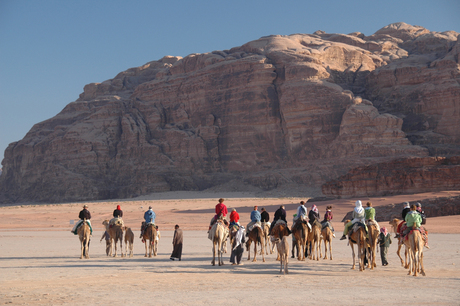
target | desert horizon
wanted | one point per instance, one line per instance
(36, 244)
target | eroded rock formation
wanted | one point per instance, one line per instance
(302, 109)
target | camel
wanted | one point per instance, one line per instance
(282, 246)
(358, 238)
(373, 239)
(84, 233)
(394, 223)
(266, 230)
(314, 240)
(326, 236)
(300, 231)
(116, 234)
(279, 231)
(219, 234)
(129, 240)
(416, 245)
(256, 236)
(148, 238)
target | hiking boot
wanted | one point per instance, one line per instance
(397, 236)
(343, 237)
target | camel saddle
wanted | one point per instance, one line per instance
(254, 226)
(223, 222)
(325, 224)
(355, 228)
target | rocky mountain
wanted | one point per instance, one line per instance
(304, 110)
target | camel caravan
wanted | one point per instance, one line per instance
(116, 232)
(306, 232)
(362, 232)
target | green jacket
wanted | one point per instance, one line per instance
(384, 241)
(413, 218)
(370, 213)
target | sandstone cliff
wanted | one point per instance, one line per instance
(279, 111)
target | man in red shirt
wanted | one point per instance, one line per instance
(234, 217)
(221, 209)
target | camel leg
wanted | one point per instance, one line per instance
(281, 264)
(220, 253)
(214, 254)
(299, 255)
(262, 244)
(399, 254)
(115, 243)
(304, 247)
(82, 249)
(330, 249)
(325, 249)
(360, 260)
(318, 250)
(249, 249)
(422, 269)
(146, 248)
(255, 251)
(407, 258)
(353, 255)
(87, 249)
(286, 260)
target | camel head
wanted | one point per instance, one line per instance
(394, 223)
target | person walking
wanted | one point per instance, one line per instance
(177, 242)
(384, 242)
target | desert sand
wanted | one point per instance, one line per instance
(40, 264)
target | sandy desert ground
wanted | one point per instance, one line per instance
(40, 264)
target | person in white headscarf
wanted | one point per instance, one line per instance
(358, 216)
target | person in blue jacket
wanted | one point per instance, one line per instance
(149, 217)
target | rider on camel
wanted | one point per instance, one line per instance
(358, 216)
(255, 219)
(221, 212)
(413, 220)
(234, 217)
(328, 219)
(149, 217)
(280, 214)
(369, 213)
(313, 215)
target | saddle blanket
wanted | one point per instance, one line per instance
(78, 224)
(250, 228)
(116, 221)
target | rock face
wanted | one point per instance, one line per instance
(402, 176)
(302, 109)
(434, 207)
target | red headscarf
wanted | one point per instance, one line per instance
(384, 231)
(118, 207)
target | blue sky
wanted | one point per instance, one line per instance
(50, 49)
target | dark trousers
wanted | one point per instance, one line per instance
(383, 255)
(237, 254)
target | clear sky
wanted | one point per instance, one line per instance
(50, 49)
